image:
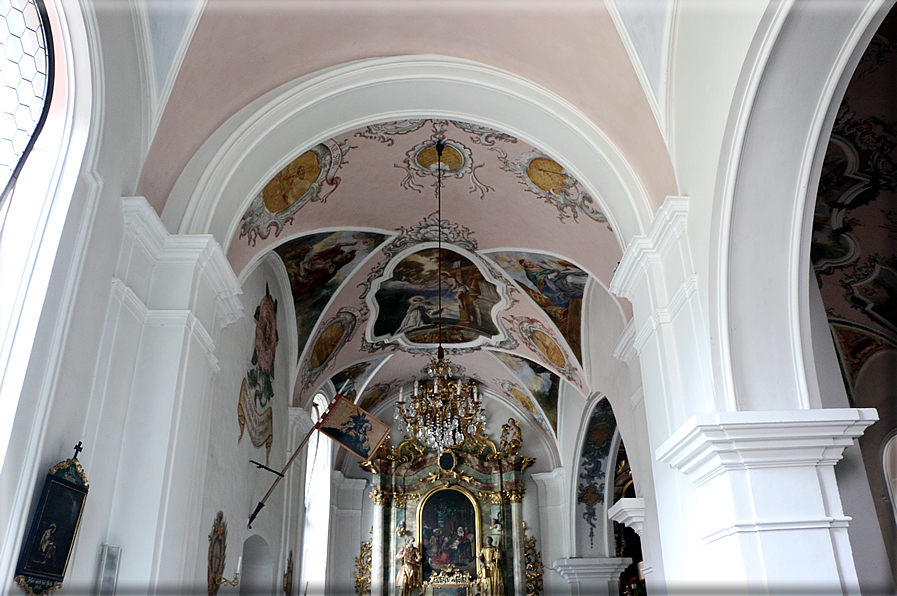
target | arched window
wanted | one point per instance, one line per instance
(317, 506)
(27, 65)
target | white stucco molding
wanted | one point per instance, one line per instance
(642, 251)
(244, 153)
(300, 423)
(599, 569)
(184, 271)
(711, 444)
(189, 321)
(630, 512)
(624, 349)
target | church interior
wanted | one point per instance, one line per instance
(493, 298)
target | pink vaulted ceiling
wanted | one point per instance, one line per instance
(241, 50)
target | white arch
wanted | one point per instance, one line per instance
(235, 162)
(799, 64)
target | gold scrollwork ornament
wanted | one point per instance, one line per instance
(516, 495)
(534, 567)
(380, 497)
(363, 566)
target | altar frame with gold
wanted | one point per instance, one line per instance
(406, 478)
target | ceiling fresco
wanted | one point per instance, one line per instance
(537, 381)
(354, 221)
(554, 284)
(352, 379)
(854, 246)
(317, 265)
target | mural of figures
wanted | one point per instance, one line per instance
(555, 285)
(408, 302)
(376, 394)
(541, 382)
(448, 532)
(317, 265)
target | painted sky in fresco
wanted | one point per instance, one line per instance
(317, 264)
(554, 284)
(540, 381)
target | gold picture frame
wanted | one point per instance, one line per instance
(444, 535)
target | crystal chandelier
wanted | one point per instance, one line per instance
(446, 412)
(443, 413)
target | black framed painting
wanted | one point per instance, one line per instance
(48, 545)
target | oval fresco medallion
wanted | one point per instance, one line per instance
(292, 182)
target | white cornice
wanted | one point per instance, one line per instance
(202, 250)
(185, 318)
(711, 444)
(144, 225)
(667, 227)
(630, 512)
(624, 349)
(599, 569)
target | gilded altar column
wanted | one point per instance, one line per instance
(515, 498)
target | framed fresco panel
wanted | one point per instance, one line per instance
(448, 528)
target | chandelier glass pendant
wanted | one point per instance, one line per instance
(444, 412)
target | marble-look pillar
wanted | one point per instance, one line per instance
(515, 497)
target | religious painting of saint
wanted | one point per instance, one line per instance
(317, 264)
(555, 285)
(46, 550)
(410, 302)
(448, 527)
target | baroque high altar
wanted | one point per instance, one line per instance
(451, 523)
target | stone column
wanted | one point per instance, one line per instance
(593, 576)
(515, 497)
(294, 503)
(346, 534)
(766, 489)
(379, 545)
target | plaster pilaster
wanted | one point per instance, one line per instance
(747, 468)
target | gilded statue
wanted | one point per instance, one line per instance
(489, 576)
(409, 577)
(511, 437)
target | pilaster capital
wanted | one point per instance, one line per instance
(550, 486)
(300, 422)
(668, 226)
(598, 569)
(176, 271)
(711, 444)
(629, 512)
